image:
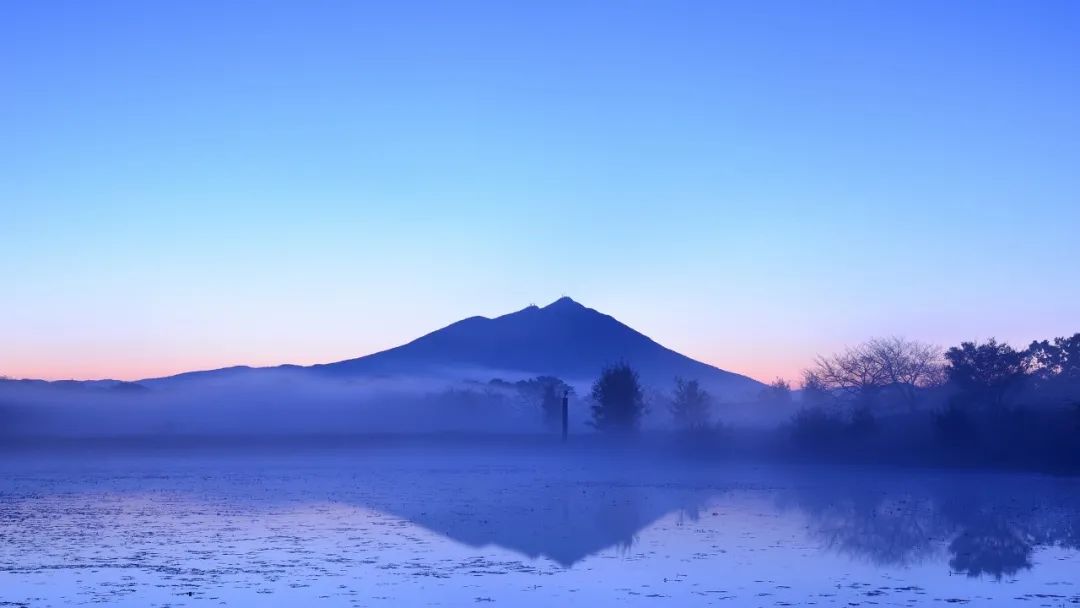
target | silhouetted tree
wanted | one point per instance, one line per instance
(985, 374)
(856, 373)
(618, 401)
(814, 391)
(1056, 359)
(908, 365)
(863, 372)
(776, 393)
(690, 405)
(1055, 369)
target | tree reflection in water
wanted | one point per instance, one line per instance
(984, 526)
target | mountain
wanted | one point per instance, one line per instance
(563, 339)
(427, 385)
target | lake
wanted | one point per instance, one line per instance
(408, 526)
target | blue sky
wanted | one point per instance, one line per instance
(197, 184)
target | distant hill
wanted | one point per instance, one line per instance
(118, 386)
(564, 339)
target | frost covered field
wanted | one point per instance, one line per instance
(404, 526)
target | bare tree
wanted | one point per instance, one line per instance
(908, 365)
(864, 371)
(855, 372)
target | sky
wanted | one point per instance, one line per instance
(190, 185)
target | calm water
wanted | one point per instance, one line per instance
(403, 527)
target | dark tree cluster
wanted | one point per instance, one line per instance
(985, 374)
(1054, 369)
(982, 403)
(618, 400)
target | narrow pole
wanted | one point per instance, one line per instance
(565, 415)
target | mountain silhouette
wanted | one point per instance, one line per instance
(564, 339)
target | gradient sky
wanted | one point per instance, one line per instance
(190, 185)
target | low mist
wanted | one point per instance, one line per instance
(272, 402)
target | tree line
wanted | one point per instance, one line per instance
(893, 398)
(895, 372)
(979, 403)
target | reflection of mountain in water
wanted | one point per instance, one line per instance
(980, 525)
(566, 511)
(564, 520)
(566, 508)
(985, 525)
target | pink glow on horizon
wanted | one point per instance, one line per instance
(132, 368)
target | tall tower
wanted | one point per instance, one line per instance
(565, 414)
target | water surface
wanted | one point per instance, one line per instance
(411, 527)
